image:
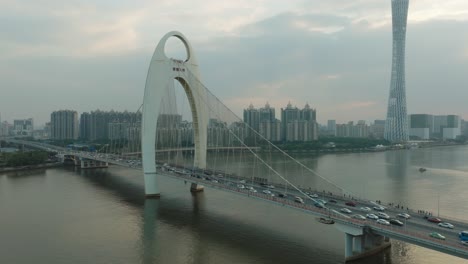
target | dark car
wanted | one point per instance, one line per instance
(434, 219)
(351, 203)
(282, 195)
(332, 201)
(396, 222)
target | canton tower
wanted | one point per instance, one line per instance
(396, 125)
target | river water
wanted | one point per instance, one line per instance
(63, 215)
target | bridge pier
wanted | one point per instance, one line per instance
(360, 242)
(151, 185)
(196, 188)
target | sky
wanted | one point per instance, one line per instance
(334, 55)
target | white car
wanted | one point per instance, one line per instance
(345, 210)
(298, 199)
(270, 186)
(242, 181)
(252, 190)
(379, 208)
(383, 222)
(367, 209)
(383, 215)
(266, 192)
(314, 195)
(404, 215)
(446, 225)
(240, 186)
(372, 216)
(358, 216)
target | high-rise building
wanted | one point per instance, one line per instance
(421, 126)
(396, 125)
(331, 127)
(267, 113)
(288, 115)
(95, 125)
(252, 119)
(376, 130)
(299, 125)
(23, 127)
(64, 124)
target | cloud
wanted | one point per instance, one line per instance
(78, 54)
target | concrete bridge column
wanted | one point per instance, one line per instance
(361, 242)
(348, 246)
(358, 245)
(196, 188)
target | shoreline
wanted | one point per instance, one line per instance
(30, 167)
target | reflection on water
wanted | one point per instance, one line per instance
(101, 216)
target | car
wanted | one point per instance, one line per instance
(282, 195)
(242, 181)
(372, 216)
(321, 201)
(252, 190)
(446, 225)
(434, 220)
(351, 203)
(266, 191)
(270, 186)
(358, 216)
(379, 208)
(332, 201)
(314, 195)
(382, 215)
(463, 235)
(404, 215)
(214, 181)
(298, 199)
(367, 209)
(319, 205)
(396, 222)
(345, 210)
(382, 222)
(465, 243)
(436, 235)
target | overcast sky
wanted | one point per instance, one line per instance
(335, 54)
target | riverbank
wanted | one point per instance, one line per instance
(30, 167)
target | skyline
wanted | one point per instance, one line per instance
(335, 56)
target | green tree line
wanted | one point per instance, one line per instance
(25, 158)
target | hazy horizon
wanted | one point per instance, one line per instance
(332, 55)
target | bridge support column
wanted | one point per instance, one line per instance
(348, 245)
(151, 185)
(360, 242)
(196, 188)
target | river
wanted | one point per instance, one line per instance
(63, 215)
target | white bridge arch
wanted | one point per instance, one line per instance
(161, 74)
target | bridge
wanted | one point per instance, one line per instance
(166, 152)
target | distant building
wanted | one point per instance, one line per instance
(252, 119)
(376, 130)
(263, 121)
(299, 125)
(95, 125)
(425, 126)
(421, 126)
(360, 130)
(331, 127)
(64, 124)
(23, 127)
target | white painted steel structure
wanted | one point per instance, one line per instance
(161, 74)
(396, 125)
